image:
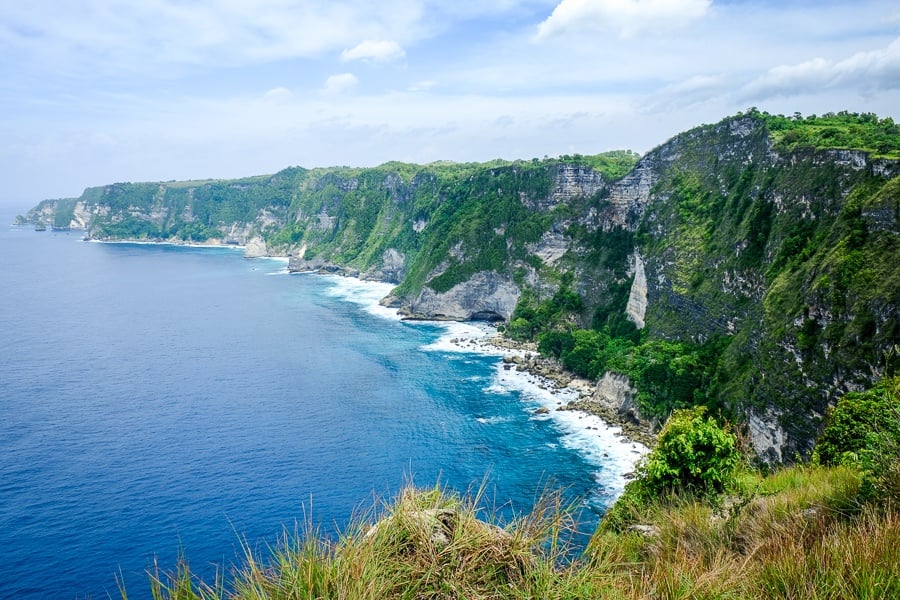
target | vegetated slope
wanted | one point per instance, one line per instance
(790, 258)
(765, 280)
(749, 266)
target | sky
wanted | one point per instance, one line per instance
(101, 91)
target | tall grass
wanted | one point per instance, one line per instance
(426, 544)
(797, 534)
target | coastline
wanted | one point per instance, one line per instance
(560, 395)
(557, 378)
(614, 449)
(179, 243)
(523, 357)
(545, 390)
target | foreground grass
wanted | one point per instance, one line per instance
(799, 533)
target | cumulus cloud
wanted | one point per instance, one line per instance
(340, 83)
(626, 17)
(865, 71)
(375, 51)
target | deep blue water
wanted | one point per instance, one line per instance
(157, 398)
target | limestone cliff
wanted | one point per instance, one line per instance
(750, 265)
(486, 296)
(768, 250)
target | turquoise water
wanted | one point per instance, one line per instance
(158, 398)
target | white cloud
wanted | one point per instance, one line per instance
(864, 71)
(694, 90)
(340, 84)
(278, 94)
(189, 90)
(375, 51)
(131, 36)
(626, 17)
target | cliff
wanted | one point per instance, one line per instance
(749, 265)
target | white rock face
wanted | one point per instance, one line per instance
(766, 436)
(392, 259)
(630, 195)
(486, 295)
(392, 270)
(551, 247)
(614, 391)
(573, 181)
(570, 181)
(255, 248)
(81, 217)
(637, 298)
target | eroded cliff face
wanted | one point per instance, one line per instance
(486, 296)
(785, 259)
(69, 213)
(769, 251)
(636, 309)
(569, 181)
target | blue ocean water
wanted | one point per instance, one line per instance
(160, 399)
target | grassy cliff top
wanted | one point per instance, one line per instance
(843, 130)
(796, 533)
(830, 529)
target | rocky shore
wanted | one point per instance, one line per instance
(611, 398)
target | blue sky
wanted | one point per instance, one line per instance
(99, 91)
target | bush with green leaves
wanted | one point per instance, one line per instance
(694, 456)
(863, 430)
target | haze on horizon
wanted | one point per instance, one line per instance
(113, 90)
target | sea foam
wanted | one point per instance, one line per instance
(367, 294)
(600, 443)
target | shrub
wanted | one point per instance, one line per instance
(863, 430)
(693, 454)
(856, 416)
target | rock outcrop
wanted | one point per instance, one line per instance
(255, 247)
(636, 308)
(392, 268)
(766, 436)
(486, 296)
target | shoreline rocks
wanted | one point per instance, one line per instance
(611, 398)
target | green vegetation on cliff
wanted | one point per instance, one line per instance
(844, 130)
(768, 247)
(772, 269)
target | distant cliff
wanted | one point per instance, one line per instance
(750, 265)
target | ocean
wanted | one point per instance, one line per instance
(160, 400)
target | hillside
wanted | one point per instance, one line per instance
(749, 266)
